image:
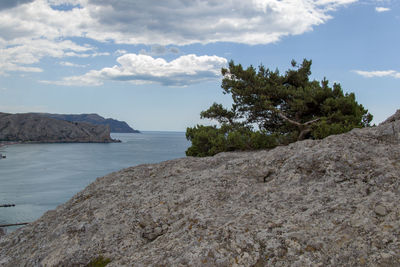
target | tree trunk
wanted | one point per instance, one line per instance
(304, 128)
(303, 133)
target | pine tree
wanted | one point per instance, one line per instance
(270, 109)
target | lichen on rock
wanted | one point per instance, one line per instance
(330, 202)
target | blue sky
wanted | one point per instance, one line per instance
(156, 64)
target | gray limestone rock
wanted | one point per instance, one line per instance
(31, 127)
(330, 202)
(392, 118)
(115, 125)
(380, 210)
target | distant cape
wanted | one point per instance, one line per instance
(30, 127)
(329, 202)
(116, 126)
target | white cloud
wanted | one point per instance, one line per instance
(12, 3)
(70, 64)
(158, 50)
(172, 22)
(17, 57)
(379, 73)
(120, 52)
(33, 30)
(382, 9)
(135, 68)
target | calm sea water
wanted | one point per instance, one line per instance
(39, 177)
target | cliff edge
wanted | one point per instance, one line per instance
(30, 127)
(116, 126)
(330, 202)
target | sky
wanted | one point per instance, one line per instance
(157, 64)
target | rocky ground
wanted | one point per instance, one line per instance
(31, 127)
(332, 202)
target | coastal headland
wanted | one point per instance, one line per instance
(31, 128)
(116, 126)
(330, 202)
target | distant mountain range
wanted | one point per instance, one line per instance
(115, 125)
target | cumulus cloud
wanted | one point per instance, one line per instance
(135, 68)
(379, 73)
(33, 31)
(169, 21)
(382, 9)
(41, 29)
(4, 4)
(174, 22)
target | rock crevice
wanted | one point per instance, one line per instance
(330, 202)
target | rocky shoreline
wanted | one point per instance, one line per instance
(116, 126)
(330, 202)
(7, 143)
(31, 128)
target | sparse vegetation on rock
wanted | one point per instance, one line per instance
(98, 262)
(115, 125)
(29, 127)
(270, 108)
(330, 202)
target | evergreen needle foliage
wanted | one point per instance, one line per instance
(271, 109)
(99, 262)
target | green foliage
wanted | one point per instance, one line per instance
(210, 140)
(206, 140)
(282, 107)
(99, 262)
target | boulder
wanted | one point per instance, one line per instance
(330, 202)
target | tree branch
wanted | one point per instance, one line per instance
(311, 122)
(280, 114)
(298, 124)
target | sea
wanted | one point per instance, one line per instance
(39, 177)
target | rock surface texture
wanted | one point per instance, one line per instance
(115, 125)
(331, 202)
(34, 128)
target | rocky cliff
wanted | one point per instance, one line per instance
(116, 126)
(331, 202)
(35, 128)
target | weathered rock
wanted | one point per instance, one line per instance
(115, 125)
(311, 203)
(380, 210)
(392, 118)
(35, 128)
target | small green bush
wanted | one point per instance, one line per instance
(99, 262)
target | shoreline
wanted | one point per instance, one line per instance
(6, 143)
